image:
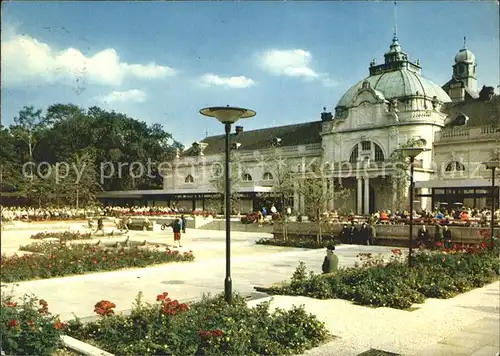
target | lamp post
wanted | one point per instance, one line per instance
(411, 152)
(493, 165)
(228, 116)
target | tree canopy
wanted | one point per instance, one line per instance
(68, 153)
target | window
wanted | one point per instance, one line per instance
(376, 152)
(354, 155)
(267, 176)
(189, 179)
(455, 166)
(379, 154)
(246, 177)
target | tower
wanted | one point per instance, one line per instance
(464, 69)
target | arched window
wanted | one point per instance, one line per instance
(354, 155)
(267, 176)
(454, 166)
(246, 177)
(189, 179)
(374, 150)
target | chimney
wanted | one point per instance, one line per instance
(239, 129)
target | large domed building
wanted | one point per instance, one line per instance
(394, 106)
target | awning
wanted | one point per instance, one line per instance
(455, 183)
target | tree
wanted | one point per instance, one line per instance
(218, 180)
(314, 186)
(400, 179)
(283, 185)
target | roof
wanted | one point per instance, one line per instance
(480, 112)
(397, 84)
(291, 135)
(465, 56)
(470, 92)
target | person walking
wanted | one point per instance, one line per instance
(447, 237)
(422, 236)
(183, 221)
(100, 225)
(331, 261)
(176, 227)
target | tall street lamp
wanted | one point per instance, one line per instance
(493, 165)
(411, 152)
(228, 116)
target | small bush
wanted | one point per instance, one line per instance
(209, 327)
(28, 328)
(62, 236)
(299, 243)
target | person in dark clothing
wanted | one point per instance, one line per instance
(422, 236)
(352, 233)
(447, 237)
(344, 234)
(100, 225)
(176, 227)
(365, 235)
(183, 220)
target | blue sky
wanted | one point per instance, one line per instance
(163, 61)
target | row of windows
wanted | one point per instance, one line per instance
(245, 177)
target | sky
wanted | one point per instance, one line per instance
(161, 62)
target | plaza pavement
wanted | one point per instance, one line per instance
(464, 325)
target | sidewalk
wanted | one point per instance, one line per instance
(466, 325)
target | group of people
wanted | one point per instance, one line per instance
(441, 234)
(365, 235)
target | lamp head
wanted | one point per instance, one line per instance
(227, 114)
(412, 152)
(492, 164)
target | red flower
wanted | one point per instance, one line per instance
(13, 323)
(104, 308)
(59, 325)
(210, 333)
(12, 304)
(161, 296)
(396, 251)
(439, 244)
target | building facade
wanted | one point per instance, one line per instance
(394, 106)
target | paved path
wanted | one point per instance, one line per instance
(464, 325)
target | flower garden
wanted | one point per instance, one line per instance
(167, 327)
(298, 242)
(49, 260)
(209, 327)
(62, 236)
(378, 283)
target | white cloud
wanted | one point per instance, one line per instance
(292, 63)
(231, 82)
(134, 95)
(25, 60)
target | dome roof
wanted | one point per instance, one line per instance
(395, 84)
(465, 56)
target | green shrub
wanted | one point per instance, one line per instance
(55, 260)
(62, 236)
(299, 243)
(436, 274)
(209, 327)
(28, 328)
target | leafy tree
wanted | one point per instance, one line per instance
(218, 181)
(314, 186)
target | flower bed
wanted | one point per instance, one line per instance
(209, 327)
(299, 243)
(56, 260)
(62, 236)
(435, 274)
(28, 328)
